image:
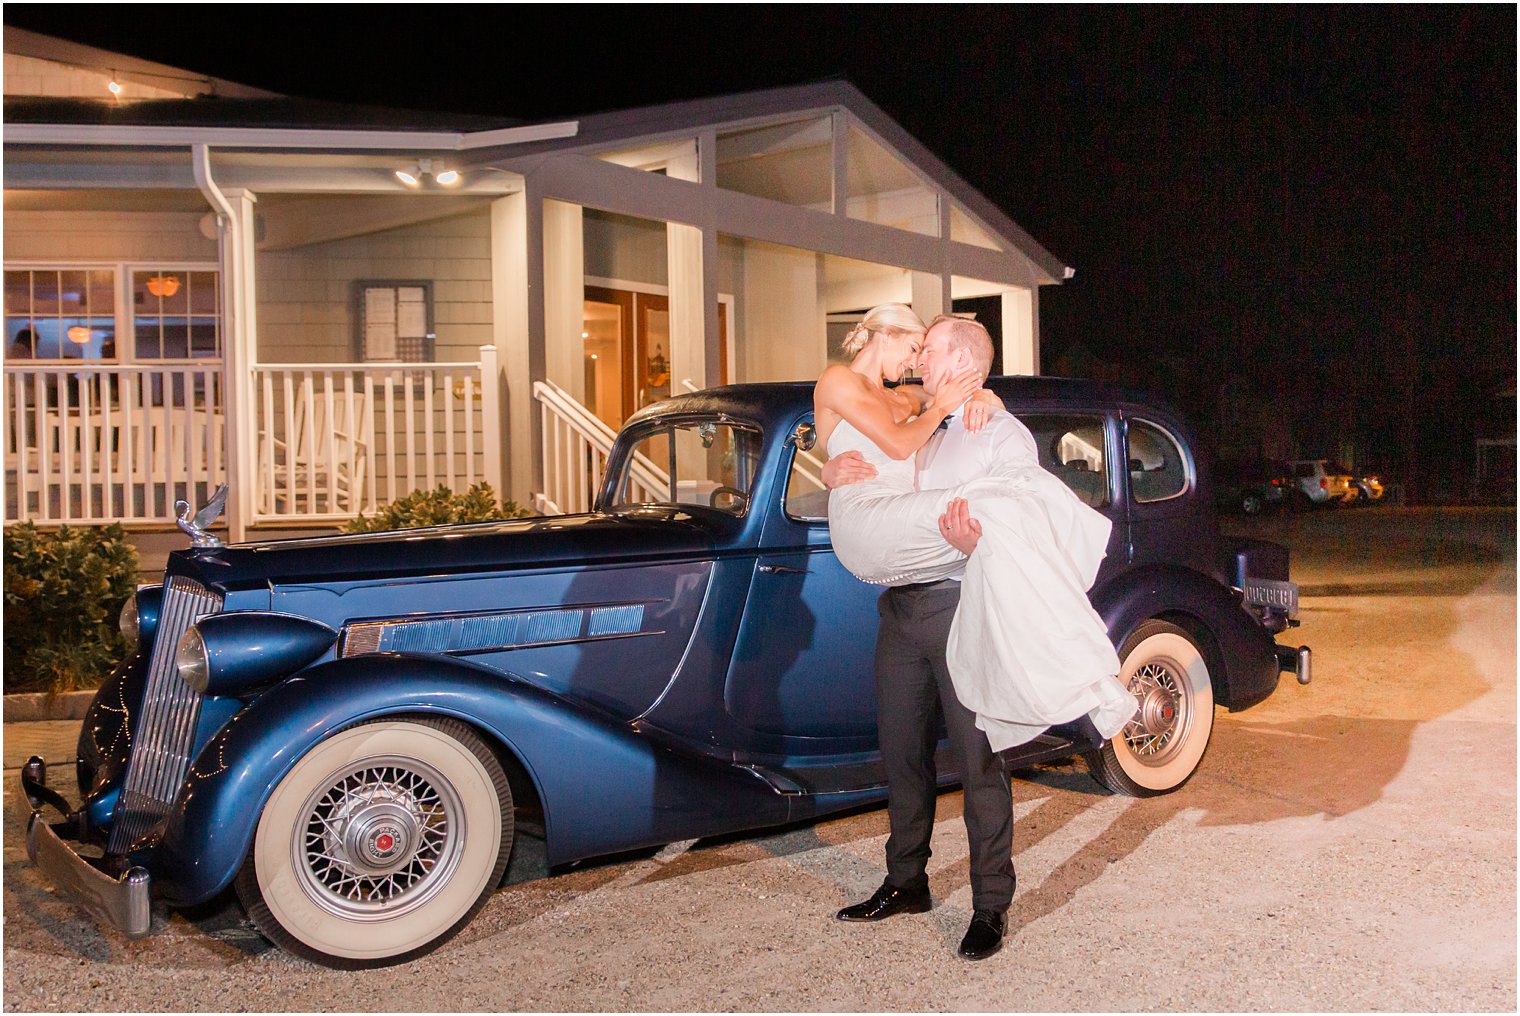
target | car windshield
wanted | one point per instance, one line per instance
(697, 463)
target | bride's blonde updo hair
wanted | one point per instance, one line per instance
(889, 317)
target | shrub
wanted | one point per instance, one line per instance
(439, 507)
(63, 592)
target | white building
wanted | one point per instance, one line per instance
(329, 307)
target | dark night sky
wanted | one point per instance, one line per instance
(1295, 197)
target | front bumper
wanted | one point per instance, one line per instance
(122, 903)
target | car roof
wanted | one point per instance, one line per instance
(768, 400)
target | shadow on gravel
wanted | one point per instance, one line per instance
(1329, 766)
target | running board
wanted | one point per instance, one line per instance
(824, 779)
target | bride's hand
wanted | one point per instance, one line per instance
(955, 390)
(980, 409)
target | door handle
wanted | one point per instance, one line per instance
(781, 569)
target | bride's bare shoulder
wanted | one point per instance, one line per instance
(838, 379)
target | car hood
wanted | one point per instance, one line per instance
(548, 542)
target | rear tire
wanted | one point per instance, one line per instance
(380, 844)
(1164, 744)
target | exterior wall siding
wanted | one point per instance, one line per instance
(106, 237)
(306, 294)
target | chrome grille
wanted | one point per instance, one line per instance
(165, 731)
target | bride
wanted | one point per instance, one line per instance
(1026, 648)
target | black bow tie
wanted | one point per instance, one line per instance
(945, 423)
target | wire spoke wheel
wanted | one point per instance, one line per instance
(380, 844)
(1163, 744)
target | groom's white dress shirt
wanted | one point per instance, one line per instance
(954, 455)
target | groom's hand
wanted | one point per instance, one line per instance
(845, 469)
(958, 528)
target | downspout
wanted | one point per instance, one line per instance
(229, 228)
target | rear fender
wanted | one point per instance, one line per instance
(603, 786)
(1242, 655)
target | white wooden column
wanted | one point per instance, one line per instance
(516, 231)
(688, 312)
(690, 263)
(931, 296)
(564, 297)
(1021, 332)
(235, 258)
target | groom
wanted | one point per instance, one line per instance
(913, 683)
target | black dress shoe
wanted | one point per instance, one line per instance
(984, 937)
(886, 901)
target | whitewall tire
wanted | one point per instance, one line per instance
(380, 844)
(1161, 748)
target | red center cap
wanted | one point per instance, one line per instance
(385, 841)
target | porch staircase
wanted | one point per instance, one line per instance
(574, 445)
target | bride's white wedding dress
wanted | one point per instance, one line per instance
(1026, 649)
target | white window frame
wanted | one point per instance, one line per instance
(125, 314)
(124, 284)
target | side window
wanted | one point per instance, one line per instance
(1157, 469)
(1072, 447)
(807, 499)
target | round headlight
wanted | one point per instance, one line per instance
(191, 661)
(128, 622)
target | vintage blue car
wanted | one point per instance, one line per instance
(347, 729)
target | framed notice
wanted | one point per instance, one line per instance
(394, 321)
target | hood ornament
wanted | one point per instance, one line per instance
(196, 525)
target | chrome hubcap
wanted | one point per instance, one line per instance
(1159, 725)
(379, 839)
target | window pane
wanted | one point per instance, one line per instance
(602, 329)
(102, 292)
(1157, 470)
(883, 189)
(203, 295)
(790, 162)
(704, 465)
(18, 294)
(45, 294)
(73, 290)
(806, 496)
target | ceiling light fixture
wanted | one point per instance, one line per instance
(433, 169)
(163, 285)
(115, 89)
(79, 334)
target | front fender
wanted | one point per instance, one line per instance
(603, 786)
(1242, 657)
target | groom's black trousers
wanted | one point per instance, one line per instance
(912, 689)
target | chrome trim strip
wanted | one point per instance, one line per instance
(123, 904)
(480, 633)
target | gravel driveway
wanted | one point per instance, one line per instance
(1346, 846)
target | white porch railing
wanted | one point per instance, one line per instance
(339, 439)
(97, 443)
(100, 443)
(574, 449)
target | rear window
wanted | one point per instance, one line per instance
(1157, 467)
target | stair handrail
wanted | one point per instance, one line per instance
(596, 432)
